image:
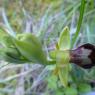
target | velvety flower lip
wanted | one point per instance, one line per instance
(83, 56)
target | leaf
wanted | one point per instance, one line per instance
(82, 8)
(62, 62)
(64, 39)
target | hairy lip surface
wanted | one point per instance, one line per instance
(83, 56)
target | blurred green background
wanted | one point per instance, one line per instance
(46, 18)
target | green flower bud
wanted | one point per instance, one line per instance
(31, 48)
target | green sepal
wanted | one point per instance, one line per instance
(64, 39)
(62, 62)
(52, 54)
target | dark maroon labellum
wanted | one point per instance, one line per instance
(83, 56)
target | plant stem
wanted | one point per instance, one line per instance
(82, 7)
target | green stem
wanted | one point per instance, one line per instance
(82, 7)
